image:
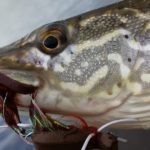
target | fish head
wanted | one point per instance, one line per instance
(28, 60)
(58, 53)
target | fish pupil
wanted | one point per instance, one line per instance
(51, 42)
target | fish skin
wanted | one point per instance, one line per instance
(101, 69)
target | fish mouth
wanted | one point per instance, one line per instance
(15, 82)
(14, 76)
(18, 81)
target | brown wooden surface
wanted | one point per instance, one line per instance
(73, 139)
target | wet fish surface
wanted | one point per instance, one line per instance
(95, 65)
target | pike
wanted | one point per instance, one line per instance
(95, 65)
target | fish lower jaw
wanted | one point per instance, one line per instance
(73, 117)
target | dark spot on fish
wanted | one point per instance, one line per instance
(129, 60)
(119, 84)
(109, 92)
(126, 36)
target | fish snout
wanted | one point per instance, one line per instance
(15, 55)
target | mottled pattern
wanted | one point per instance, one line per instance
(94, 58)
(106, 65)
(111, 32)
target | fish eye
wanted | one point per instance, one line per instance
(53, 42)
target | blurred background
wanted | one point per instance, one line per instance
(19, 17)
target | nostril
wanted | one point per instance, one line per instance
(129, 60)
(126, 36)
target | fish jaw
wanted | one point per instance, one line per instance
(30, 55)
(22, 62)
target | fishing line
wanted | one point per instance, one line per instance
(60, 124)
(45, 122)
(27, 136)
(85, 144)
(4, 126)
(22, 125)
(37, 120)
(24, 138)
(4, 102)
